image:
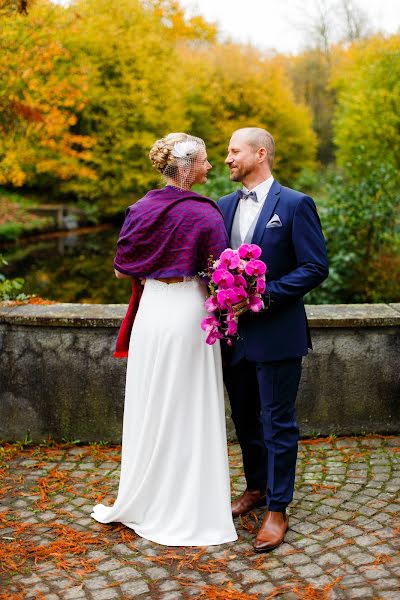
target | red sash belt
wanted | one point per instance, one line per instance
(124, 334)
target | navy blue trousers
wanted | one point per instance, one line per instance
(262, 397)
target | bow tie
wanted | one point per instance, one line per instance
(247, 195)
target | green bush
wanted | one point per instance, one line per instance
(361, 222)
(310, 182)
(91, 211)
(10, 289)
(11, 231)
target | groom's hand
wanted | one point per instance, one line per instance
(240, 308)
(244, 306)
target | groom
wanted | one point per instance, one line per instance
(265, 363)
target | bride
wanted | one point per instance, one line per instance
(174, 484)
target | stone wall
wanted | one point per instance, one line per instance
(58, 377)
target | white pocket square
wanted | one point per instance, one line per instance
(274, 222)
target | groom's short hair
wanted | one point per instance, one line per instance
(260, 138)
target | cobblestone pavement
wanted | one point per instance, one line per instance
(342, 542)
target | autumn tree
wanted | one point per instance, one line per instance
(134, 94)
(362, 208)
(310, 74)
(367, 120)
(102, 80)
(326, 34)
(178, 25)
(11, 7)
(228, 86)
(332, 22)
(41, 94)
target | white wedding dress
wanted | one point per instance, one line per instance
(174, 484)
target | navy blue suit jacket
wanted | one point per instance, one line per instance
(295, 255)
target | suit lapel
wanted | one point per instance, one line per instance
(266, 212)
(230, 213)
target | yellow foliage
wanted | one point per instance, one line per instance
(132, 97)
(367, 121)
(11, 171)
(39, 93)
(228, 86)
(87, 89)
(177, 25)
(310, 73)
(8, 7)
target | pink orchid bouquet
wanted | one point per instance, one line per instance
(236, 277)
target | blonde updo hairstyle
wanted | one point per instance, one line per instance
(167, 161)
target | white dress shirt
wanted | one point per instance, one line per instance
(249, 209)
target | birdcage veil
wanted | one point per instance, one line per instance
(175, 156)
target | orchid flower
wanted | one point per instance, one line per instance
(240, 281)
(213, 336)
(255, 267)
(240, 293)
(209, 323)
(232, 327)
(237, 276)
(227, 298)
(260, 285)
(255, 304)
(230, 258)
(223, 278)
(249, 251)
(211, 304)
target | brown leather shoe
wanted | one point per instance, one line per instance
(247, 501)
(272, 531)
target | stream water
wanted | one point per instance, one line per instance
(75, 266)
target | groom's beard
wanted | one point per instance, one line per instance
(239, 173)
